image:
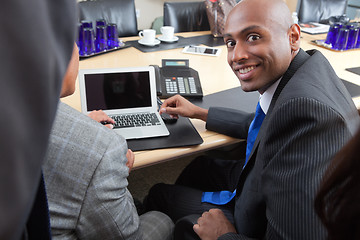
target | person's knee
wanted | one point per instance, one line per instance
(156, 197)
(157, 191)
(156, 225)
(157, 188)
(184, 228)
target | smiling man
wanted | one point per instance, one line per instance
(261, 49)
(307, 116)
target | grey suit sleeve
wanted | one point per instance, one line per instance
(36, 44)
(108, 211)
(228, 121)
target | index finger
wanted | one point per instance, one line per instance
(109, 119)
(170, 102)
(105, 117)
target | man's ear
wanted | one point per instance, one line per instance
(294, 37)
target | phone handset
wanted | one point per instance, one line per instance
(158, 79)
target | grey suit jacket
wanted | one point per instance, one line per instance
(85, 175)
(311, 116)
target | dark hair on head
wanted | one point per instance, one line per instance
(338, 200)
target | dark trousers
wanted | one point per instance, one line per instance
(184, 197)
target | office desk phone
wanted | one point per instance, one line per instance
(176, 77)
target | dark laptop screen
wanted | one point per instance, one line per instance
(110, 91)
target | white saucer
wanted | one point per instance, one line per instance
(174, 39)
(156, 42)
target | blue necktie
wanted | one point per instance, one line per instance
(223, 197)
(254, 130)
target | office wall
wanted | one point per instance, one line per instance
(151, 9)
(353, 9)
(148, 10)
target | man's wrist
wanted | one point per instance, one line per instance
(202, 114)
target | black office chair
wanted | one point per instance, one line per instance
(186, 16)
(120, 12)
(317, 10)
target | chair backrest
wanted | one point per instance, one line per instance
(120, 12)
(186, 16)
(316, 10)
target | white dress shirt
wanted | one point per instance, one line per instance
(266, 97)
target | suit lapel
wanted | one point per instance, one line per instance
(299, 60)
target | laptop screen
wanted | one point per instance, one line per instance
(118, 90)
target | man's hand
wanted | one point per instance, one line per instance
(212, 224)
(101, 117)
(130, 159)
(178, 105)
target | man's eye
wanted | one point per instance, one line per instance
(230, 44)
(253, 38)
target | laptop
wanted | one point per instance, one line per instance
(128, 95)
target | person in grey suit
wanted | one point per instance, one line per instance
(309, 117)
(86, 169)
(36, 44)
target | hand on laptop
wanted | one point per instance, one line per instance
(178, 105)
(103, 118)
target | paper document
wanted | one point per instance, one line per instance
(314, 28)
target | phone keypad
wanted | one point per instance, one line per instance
(171, 86)
(192, 85)
(180, 85)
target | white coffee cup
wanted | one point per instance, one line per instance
(147, 35)
(167, 32)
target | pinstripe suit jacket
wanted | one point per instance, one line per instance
(85, 175)
(311, 116)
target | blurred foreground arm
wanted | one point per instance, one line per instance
(32, 69)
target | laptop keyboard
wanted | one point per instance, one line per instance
(135, 120)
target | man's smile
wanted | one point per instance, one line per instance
(246, 70)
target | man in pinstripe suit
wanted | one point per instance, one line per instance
(86, 169)
(309, 117)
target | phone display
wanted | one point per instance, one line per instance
(208, 51)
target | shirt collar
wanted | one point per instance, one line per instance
(266, 97)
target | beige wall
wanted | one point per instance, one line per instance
(291, 4)
(150, 9)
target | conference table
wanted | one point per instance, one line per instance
(215, 76)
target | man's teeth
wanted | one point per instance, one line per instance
(246, 70)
